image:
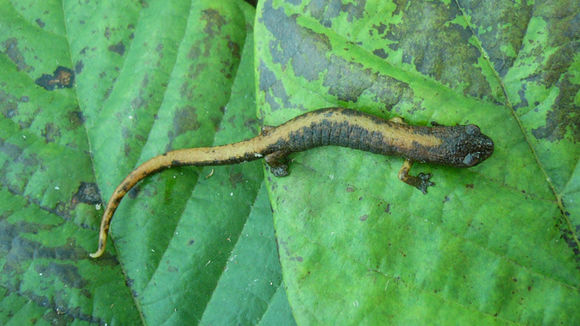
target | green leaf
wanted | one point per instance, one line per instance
(148, 77)
(497, 243)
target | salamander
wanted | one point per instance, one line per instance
(456, 146)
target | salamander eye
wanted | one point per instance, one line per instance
(472, 130)
(471, 159)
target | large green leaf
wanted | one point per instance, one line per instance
(497, 243)
(149, 77)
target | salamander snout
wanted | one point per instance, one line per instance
(477, 147)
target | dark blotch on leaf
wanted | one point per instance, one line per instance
(380, 28)
(19, 250)
(273, 88)
(563, 119)
(569, 237)
(118, 48)
(235, 178)
(67, 273)
(185, 120)
(50, 132)
(8, 104)
(388, 209)
(87, 193)
(523, 101)
(380, 53)
(326, 11)
(559, 63)
(322, 10)
(61, 78)
(304, 48)
(13, 52)
(234, 48)
(76, 119)
(500, 40)
(315, 50)
(297, 258)
(308, 53)
(79, 67)
(214, 22)
(437, 47)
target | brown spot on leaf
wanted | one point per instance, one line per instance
(87, 193)
(76, 119)
(61, 78)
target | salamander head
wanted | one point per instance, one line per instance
(468, 146)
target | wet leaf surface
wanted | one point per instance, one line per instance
(90, 90)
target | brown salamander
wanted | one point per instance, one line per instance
(458, 146)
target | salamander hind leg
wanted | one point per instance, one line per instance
(421, 181)
(278, 163)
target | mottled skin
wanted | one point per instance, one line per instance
(458, 146)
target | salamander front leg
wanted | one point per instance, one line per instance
(278, 162)
(421, 181)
